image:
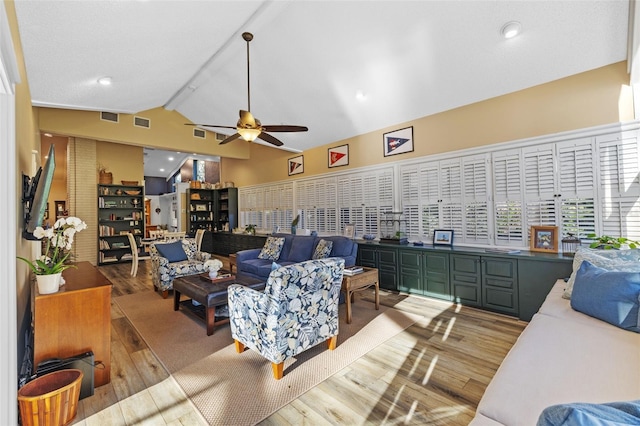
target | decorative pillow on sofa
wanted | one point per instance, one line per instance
(272, 248)
(173, 252)
(577, 414)
(323, 249)
(612, 260)
(610, 296)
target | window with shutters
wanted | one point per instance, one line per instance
(587, 183)
(619, 189)
(507, 195)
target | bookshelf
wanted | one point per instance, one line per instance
(200, 202)
(120, 210)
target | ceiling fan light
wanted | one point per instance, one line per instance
(249, 135)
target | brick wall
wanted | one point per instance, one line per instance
(82, 196)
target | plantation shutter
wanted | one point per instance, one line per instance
(577, 187)
(475, 199)
(619, 187)
(507, 187)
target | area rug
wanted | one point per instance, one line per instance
(239, 389)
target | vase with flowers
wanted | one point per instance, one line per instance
(57, 242)
(213, 265)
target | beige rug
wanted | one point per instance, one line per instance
(238, 389)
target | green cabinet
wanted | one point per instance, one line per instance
(485, 282)
(513, 284)
(535, 280)
(225, 243)
(385, 259)
(425, 273)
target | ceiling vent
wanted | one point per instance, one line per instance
(220, 137)
(142, 122)
(109, 116)
(199, 133)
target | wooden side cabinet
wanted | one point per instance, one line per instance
(74, 320)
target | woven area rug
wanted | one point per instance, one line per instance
(238, 389)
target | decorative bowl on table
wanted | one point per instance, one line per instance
(132, 192)
(368, 237)
(129, 182)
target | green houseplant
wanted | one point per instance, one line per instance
(608, 243)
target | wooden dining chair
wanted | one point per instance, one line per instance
(199, 237)
(134, 254)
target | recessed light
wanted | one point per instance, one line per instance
(170, 158)
(361, 96)
(49, 135)
(511, 29)
(162, 170)
(105, 81)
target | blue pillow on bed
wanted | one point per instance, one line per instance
(173, 252)
(579, 414)
(610, 296)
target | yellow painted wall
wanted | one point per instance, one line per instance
(125, 162)
(167, 131)
(601, 96)
(27, 140)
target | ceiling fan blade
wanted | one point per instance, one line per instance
(210, 125)
(246, 120)
(268, 138)
(231, 138)
(284, 128)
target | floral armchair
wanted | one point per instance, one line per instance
(175, 259)
(297, 310)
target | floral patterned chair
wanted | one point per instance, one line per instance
(297, 310)
(175, 259)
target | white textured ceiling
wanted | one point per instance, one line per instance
(308, 58)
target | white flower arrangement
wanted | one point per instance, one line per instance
(58, 241)
(213, 265)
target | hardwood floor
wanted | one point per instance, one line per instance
(434, 372)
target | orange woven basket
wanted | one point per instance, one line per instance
(51, 399)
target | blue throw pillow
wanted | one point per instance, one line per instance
(275, 266)
(173, 252)
(611, 296)
(579, 414)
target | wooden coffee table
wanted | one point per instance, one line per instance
(210, 294)
(352, 283)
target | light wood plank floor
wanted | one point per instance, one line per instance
(432, 373)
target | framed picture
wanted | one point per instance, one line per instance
(349, 230)
(544, 239)
(398, 141)
(339, 156)
(443, 237)
(296, 165)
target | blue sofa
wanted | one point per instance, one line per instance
(296, 249)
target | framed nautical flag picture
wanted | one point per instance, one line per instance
(339, 156)
(296, 165)
(398, 141)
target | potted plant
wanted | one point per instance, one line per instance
(294, 224)
(58, 241)
(608, 243)
(250, 229)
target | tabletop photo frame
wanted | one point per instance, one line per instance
(544, 239)
(443, 237)
(350, 230)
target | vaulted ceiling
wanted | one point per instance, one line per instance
(342, 68)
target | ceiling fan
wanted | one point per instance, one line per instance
(248, 127)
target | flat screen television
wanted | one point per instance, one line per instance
(35, 194)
